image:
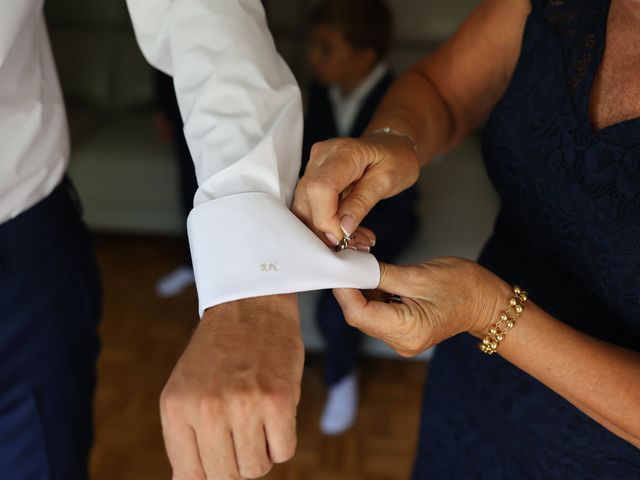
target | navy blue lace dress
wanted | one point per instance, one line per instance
(569, 232)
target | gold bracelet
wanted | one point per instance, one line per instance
(498, 330)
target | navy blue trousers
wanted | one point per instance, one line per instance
(49, 312)
(394, 222)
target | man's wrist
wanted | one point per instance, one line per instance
(281, 305)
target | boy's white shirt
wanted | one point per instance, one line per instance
(346, 108)
(242, 112)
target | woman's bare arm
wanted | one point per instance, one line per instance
(452, 90)
(599, 378)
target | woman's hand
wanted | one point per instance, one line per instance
(346, 177)
(440, 299)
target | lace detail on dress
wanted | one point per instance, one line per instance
(578, 189)
(565, 17)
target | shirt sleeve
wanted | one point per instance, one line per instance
(14, 14)
(242, 112)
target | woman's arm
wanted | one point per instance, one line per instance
(599, 378)
(448, 296)
(437, 103)
(451, 91)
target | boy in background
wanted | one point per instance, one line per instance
(349, 42)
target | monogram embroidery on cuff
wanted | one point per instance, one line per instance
(270, 267)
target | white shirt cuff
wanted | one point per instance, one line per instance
(250, 245)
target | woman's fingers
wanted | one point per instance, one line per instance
(397, 324)
(346, 177)
(363, 240)
(366, 235)
(333, 167)
(302, 210)
(365, 194)
(376, 319)
(438, 299)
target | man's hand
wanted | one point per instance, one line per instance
(229, 408)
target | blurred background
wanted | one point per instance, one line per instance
(123, 165)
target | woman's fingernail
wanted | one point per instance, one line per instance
(373, 243)
(332, 239)
(348, 224)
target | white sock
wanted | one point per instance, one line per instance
(175, 282)
(341, 408)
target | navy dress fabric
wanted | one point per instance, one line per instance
(569, 233)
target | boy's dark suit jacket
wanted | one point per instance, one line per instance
(320, 125)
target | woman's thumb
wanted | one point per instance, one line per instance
(394, 279)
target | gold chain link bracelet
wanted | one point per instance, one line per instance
(498, 330)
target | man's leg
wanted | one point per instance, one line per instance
(49, 312)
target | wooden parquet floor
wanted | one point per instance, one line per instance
(142, 337)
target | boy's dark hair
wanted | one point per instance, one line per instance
(364, 23)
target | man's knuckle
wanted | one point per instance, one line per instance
(280, 397)
(242, 401)
(172, 403)
(211, 407)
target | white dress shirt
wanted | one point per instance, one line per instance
(346, 108)
(242, 112)
(243, 123)
(33, 127)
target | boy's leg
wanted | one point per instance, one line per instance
(341, 340)
(49, 312)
